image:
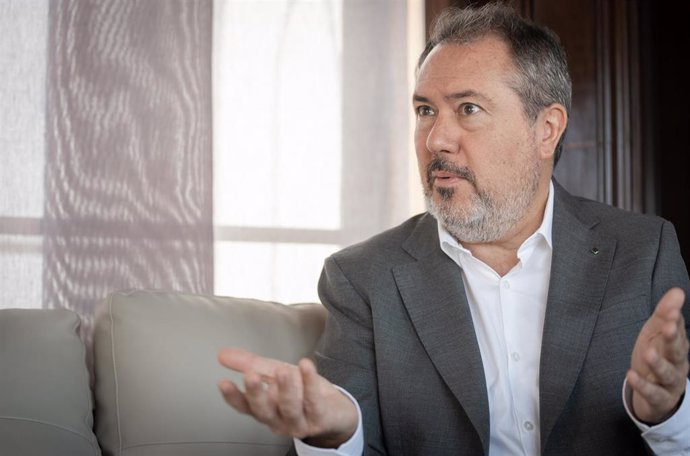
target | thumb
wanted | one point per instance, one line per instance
(673, 299)
(311, 381)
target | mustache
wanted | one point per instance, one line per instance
(440, 164)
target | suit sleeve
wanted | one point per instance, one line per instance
(673, 436)
(670, 271)
(346, 355)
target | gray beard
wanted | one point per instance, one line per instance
(489, 216)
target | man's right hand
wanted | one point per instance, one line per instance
(291, 400)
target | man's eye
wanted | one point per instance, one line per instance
(468, 109)
(424, 111)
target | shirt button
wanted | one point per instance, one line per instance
(528, 425)
(515, 356)
(506, 284)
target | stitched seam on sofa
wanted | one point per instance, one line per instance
(117, 391)
(45, 423)
(88, 424)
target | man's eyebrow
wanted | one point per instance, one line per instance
(466, 94)
(453, 96)
(419, 98)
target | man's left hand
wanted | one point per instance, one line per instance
(659, 366)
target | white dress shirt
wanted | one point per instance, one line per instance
(508, 317)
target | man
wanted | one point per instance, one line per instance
(512, 319)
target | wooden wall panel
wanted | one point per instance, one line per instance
(666, 122)
(580, 169)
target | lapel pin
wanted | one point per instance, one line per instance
(595, 251)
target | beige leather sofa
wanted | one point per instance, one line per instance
(154, 385)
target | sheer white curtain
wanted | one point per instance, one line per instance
(24, 26)
(216, 147)
(311, 136)
(106, 168)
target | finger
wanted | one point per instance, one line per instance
(243, 361)
(675, 342)
(654, 394)
(312, 382)
(257, 396)
(671, 302)
(233, 396)
(665, 373)
(290, 400)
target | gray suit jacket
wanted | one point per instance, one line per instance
(400, 338)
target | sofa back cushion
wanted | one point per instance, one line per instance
(45, 400)
(157, 370)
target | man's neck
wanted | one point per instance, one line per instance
(501, 255)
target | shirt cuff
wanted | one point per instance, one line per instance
(670, 437)
(353, 447)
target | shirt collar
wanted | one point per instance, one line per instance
(449, 244)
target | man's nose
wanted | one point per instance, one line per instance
(444, 135)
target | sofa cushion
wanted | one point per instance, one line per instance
(45, 400)
(157, 370)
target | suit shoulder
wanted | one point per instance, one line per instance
(592, 212)
(614, 217)
(382, 247)
(622, 224)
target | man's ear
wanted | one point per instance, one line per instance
(551, 122)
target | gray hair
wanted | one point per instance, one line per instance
(542, 68)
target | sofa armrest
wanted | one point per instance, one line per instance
(157, 372)
(45, 400)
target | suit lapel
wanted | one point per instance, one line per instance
(434, 295)
(579, 271)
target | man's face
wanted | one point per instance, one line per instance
(476, 150)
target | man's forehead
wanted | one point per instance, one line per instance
(489, 43)
(488, 51)
(464, 67)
